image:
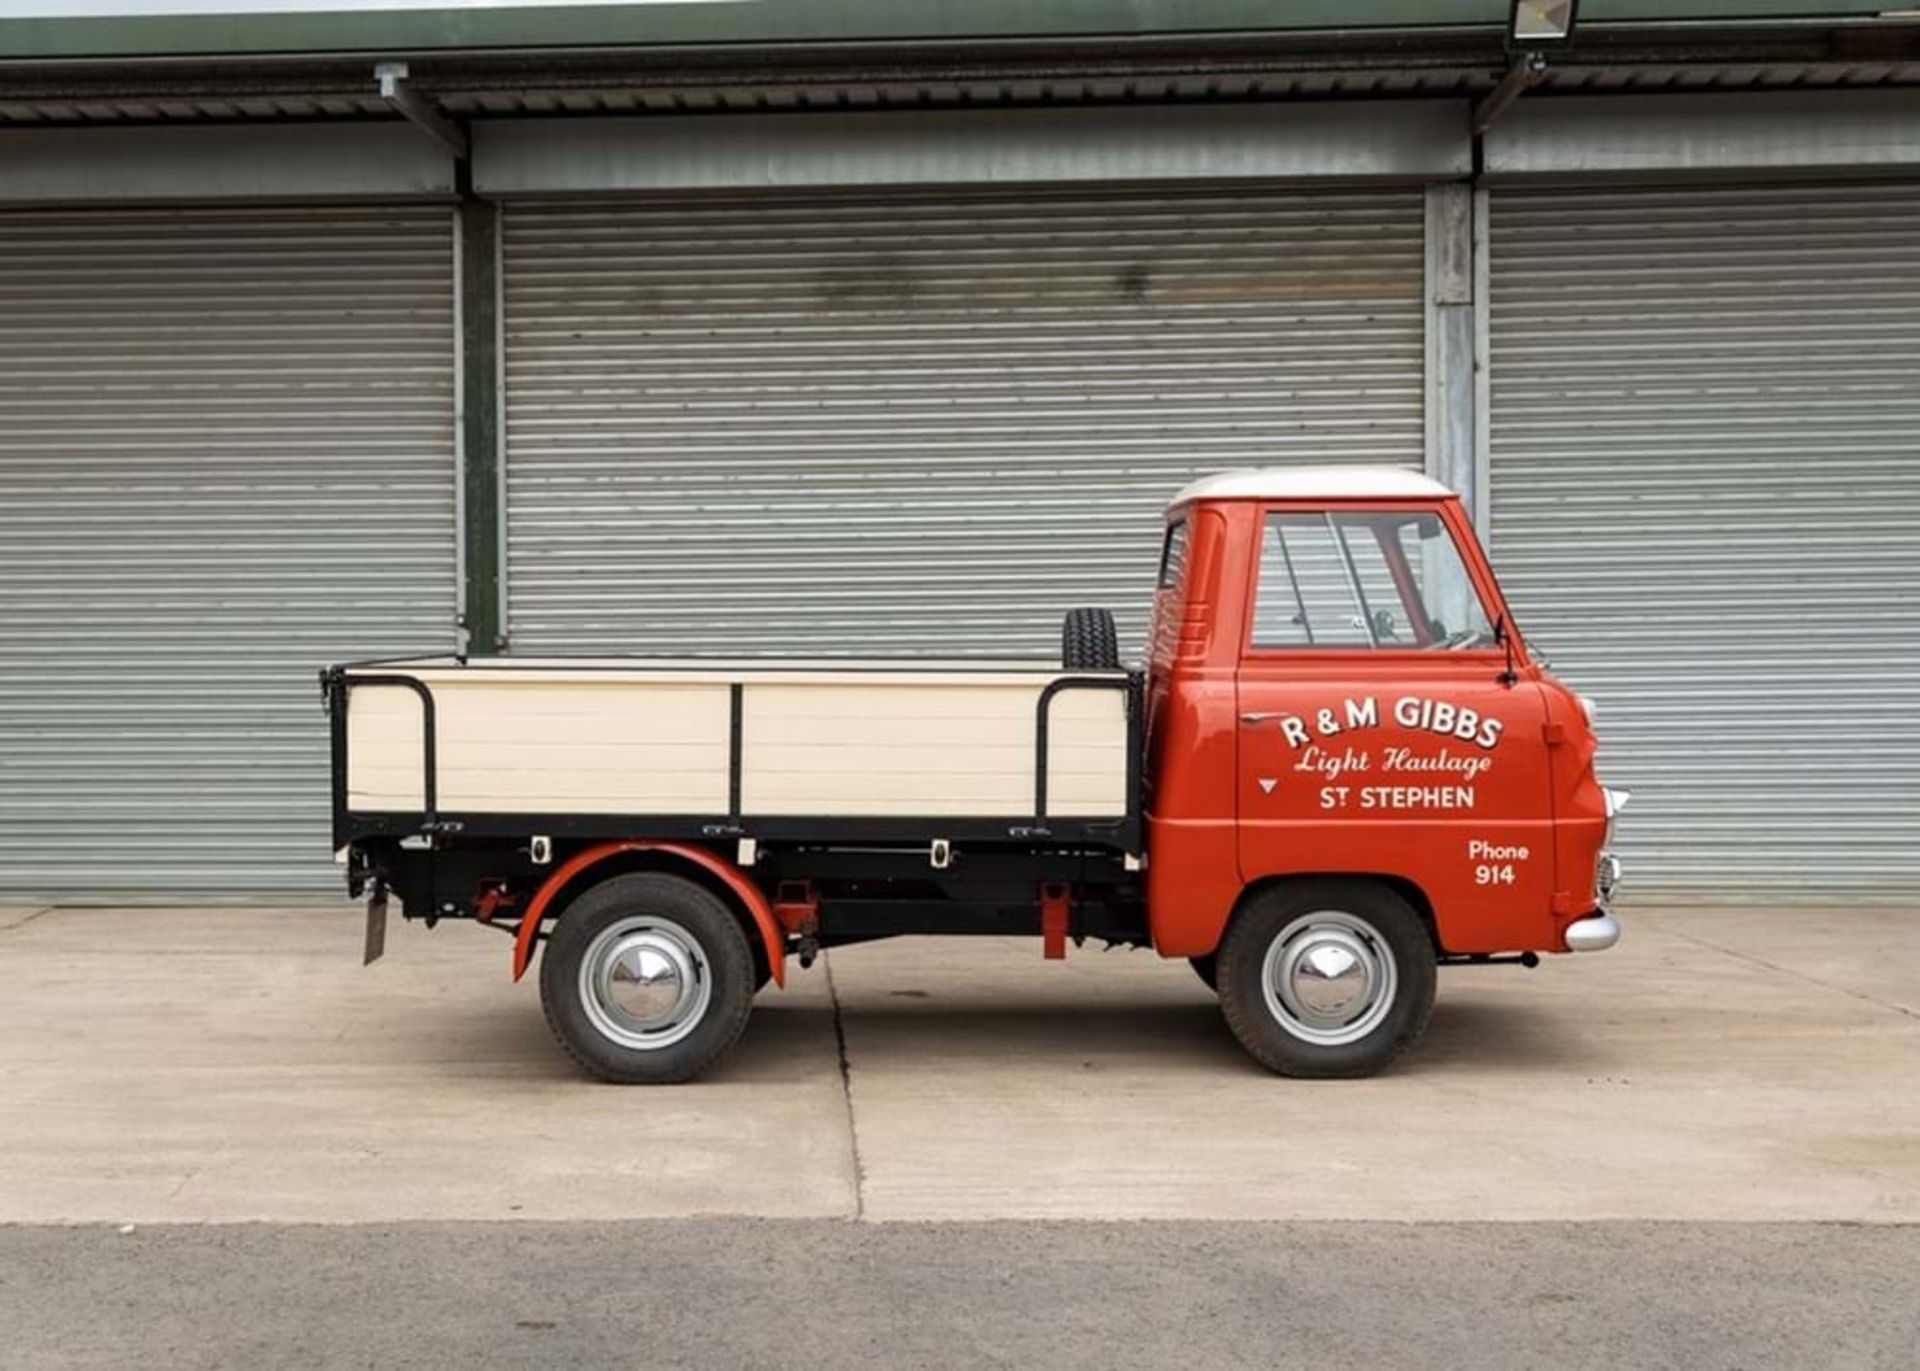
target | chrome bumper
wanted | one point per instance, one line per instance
(1599, 930)
(1595, 933)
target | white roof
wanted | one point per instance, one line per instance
(1315, 483)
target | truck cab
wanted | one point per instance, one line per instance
(1340, 703)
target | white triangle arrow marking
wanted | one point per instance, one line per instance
(1267, 783)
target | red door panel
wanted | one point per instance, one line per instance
(1378, 732)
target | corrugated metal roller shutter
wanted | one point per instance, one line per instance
(920, 423)
(226, 457)
(1706, 507)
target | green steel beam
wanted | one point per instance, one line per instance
(55, 36)
(479, 344)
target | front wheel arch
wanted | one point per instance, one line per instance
(1406, 889)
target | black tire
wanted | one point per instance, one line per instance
(1207, 968)
(1355, 923)
(1089, 641)
(657, 907)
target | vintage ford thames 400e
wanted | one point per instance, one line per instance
(1339, 770)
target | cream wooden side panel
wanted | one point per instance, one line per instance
(860, 748)
(386, 768)
(639, 741)
(534, 746)
(1087, 754)
(612, 747)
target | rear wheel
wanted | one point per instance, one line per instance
(647, 979)
(1327, 978)
(1089, 641)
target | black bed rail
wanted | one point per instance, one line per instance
(1131, 686)
(336, 686)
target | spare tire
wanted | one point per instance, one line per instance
(1089, 641)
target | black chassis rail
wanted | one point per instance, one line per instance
(859, 893)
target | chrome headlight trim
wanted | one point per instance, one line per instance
(1616, 800)
(1606, 878)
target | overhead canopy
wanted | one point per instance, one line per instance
(76, 28)
(56, 69)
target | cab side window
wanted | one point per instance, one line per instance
(1307, 597)
(1364, 579)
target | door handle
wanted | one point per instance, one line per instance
(1259, 718)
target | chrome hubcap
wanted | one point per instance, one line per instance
(645, 983)
(1329, 978)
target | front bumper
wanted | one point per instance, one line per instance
(1595, 933)
(1599, 930)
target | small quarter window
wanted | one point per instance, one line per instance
(1173, 555)
(1365, 579)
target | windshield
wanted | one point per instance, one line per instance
(1365, 579)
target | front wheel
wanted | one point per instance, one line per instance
(647, 979)
(1327, 978)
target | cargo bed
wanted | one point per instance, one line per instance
(614, 747)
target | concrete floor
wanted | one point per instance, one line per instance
(170, 1065)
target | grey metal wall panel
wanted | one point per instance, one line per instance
(1706, 508)
(226, 457)
(922, 423)
(1381, 139)
(226, 162)
(1815, 133)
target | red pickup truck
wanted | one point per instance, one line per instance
(1339, 771)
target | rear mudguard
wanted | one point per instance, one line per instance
(743, 889)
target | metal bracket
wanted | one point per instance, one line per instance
(417, 110)
(1525, 71)
(1056, 911)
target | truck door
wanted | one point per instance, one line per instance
(1379, 728)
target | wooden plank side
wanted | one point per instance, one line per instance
(836, 746)
(934, 749)
(545, 746)
(385, 771)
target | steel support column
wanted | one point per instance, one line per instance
(480, 484)
(1452, 452)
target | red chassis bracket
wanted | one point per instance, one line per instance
(1056, 904)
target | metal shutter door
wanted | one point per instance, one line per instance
(1706, 507)
(916, 423)
(226, 457)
